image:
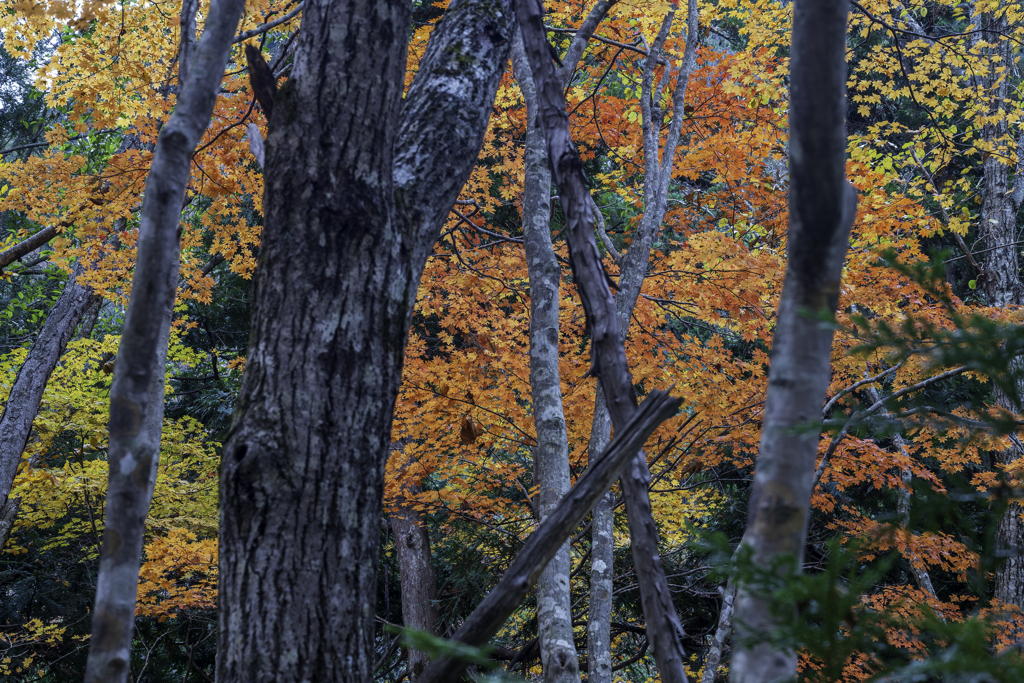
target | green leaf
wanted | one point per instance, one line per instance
(973, 284)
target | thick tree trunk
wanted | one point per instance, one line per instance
(26, 393)
(137, 393)
(355, 198)
(416, 572)
(822, 209)
(551, 455)
(1001, 279)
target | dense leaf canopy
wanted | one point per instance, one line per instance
(910, 484)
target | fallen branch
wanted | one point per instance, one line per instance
(490, 615)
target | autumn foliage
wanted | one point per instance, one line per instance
(463, 428)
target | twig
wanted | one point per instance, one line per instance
(246, 35)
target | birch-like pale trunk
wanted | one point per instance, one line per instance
(608, 358)
(137, 392)
(1001, 278)
(602, 556)
(559, 660)
(721, 637)
(27, 391)
(541, 546)
(822, 207)
(633, 270)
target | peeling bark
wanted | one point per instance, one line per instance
(822, 209)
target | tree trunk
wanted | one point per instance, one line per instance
(137, 393)
(822, 209)
(26, 393)
(633, 271)
(559, 661)
(608, 358)
(602, 556)
(722, 633)
(354, 200)
(419, 587)
(1002, 273)
(543, 543)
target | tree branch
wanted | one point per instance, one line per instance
(490, 615)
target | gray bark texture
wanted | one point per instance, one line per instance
(358, 183)
(632, 271)
(1001, 279)
(602, 556)
(608, 358)
(822, 207)
(137, 392)
(551, 455)
(8, 513)
(721, 636)
(559, 659)
(419, 586)
(27, 391)
(522, 574)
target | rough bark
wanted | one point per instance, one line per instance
(27, 391)
(358, 183)
(822, 208)
(136, 395)
(1001, 277)
(488, 617)
(419, 587)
